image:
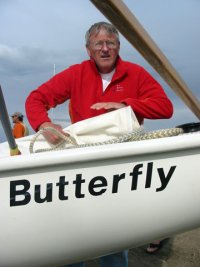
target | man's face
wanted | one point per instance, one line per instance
(103, 48)
(15, 119)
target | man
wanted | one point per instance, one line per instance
(19, 128)
(103, 83)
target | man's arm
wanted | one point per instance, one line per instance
(152, 101)
(48, 95)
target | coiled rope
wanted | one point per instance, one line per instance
(68, 142)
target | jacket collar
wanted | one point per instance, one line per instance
(121, 69)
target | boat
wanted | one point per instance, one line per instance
(75, 204)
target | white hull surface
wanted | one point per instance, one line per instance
(76, 204)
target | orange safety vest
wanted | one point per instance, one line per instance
(18, 130)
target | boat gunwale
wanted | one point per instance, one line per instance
(102, 152)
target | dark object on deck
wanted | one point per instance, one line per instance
(190, 127)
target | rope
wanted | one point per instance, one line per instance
(68, 142)
(61, 145)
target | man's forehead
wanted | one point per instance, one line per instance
(102, 32)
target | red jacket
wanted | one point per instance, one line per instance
(82, 84)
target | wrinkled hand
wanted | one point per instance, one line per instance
(109, 106)
(49, 135)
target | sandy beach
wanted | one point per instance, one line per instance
(182, 250)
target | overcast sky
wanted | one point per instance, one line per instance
(37, 35)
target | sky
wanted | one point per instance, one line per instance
(42, 37)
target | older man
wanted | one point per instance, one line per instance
(104, 82)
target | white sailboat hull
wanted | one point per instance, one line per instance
(72, 205)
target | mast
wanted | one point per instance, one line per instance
(54, 69)
(52, 109)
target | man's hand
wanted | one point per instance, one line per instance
(109, 106)
(49, 135)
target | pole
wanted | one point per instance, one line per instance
(7, 127)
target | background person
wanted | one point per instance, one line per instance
(19, 128)
(104, 82)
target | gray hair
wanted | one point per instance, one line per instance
(95, 29)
